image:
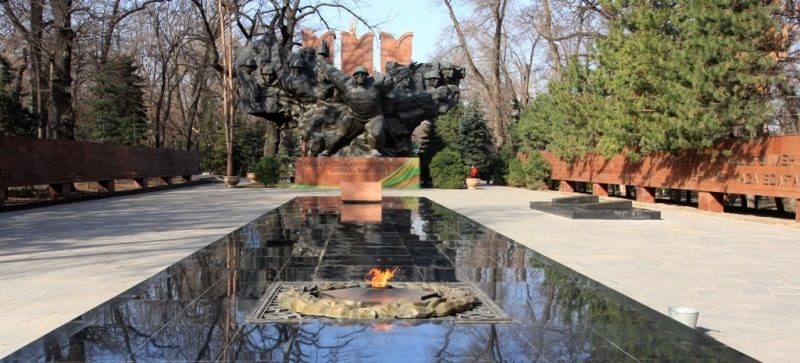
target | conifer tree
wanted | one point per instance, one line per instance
(475, 141)
(15, 119)
(447, 125)
(669, 75)
(431, 144)
(118, 114)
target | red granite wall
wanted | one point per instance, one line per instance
(769, 167)
(309, 39)
(30, 161)
(395, 50)
(359, 51)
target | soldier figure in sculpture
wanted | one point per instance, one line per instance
(363, 96)
(343, 114)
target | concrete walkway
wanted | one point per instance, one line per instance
(60, 261)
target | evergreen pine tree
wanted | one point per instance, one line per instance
(431, 144)
(447, 125)
(15, 119)
(475, 141)
(117, 110)
(668, 76)
(250, 144)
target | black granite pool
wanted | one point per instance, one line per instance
(196, 310)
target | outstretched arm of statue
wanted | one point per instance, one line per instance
(337, 77)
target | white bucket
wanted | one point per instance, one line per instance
(687, 316)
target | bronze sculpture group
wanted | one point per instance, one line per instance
(340, 114)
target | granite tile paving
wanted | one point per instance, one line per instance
(62, 261)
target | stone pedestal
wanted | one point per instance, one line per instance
(600, 189)
(646, 194)
(712, 202)
(361, 192)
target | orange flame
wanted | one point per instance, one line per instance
(382, 327)
(379, 276)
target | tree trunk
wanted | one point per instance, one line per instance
(497, 102)
(39, 85)
(271, 139)
(61, 118)
(548, 35)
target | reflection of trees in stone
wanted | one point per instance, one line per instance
(232, 266)
(195, 311)
(197, 329)
(452, 228)
(307, 347)
(595, 318)
(278, 237)
(447, 338)
(300, 343)
(566, 316)
(317, 229)
(493, 261)
(487, 346)
(480, 342)
(483, 255)
(185, 313)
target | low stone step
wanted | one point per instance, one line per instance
(590, 207)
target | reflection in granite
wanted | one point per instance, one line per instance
(196, 309)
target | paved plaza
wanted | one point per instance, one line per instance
(740, 272)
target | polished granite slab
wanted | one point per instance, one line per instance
(196, 310)
(590, 207)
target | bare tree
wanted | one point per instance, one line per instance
(61, 118)
(568, 27)
(111, 18)
(34, 57)
(522, 54)
(167, 30)
(500, 42)
(481, 41)
(50, 54)
(786, 99)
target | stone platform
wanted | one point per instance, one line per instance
(634, 258)
(590, 207)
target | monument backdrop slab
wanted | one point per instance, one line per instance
(332, 171)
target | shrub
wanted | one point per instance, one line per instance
(498, 169)
(447, 170)
(268, 171)
(532, 173)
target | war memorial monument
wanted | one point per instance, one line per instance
(354, 126)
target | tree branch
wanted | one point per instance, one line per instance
(463, 42)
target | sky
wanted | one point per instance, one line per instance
(418, 16)
(425, 19)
